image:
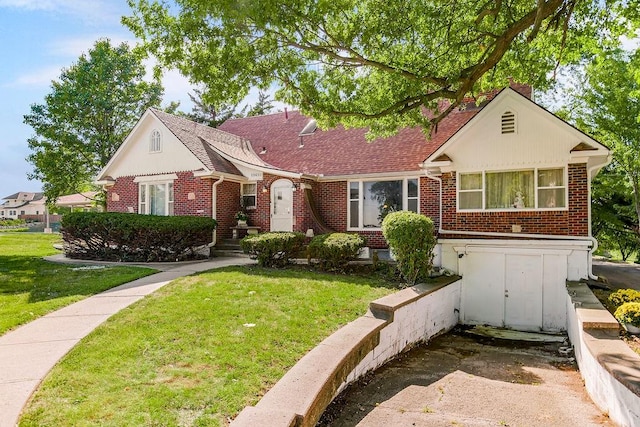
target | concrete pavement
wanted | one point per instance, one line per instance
(463, 379)
(29, 352)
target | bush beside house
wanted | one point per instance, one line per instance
(411, 238)
(130, 237)
(274, 249)
(333, 251)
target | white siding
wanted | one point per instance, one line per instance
(540, 139)
(136, 159)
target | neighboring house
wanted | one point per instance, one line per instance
(507, 184)
(22, 205)
(79, 202)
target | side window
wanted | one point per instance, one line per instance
(155, 145)
(248, 199)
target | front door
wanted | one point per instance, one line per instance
(282, 205)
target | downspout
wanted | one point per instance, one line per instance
(214, 209)
(594, 241)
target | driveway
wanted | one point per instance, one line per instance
(459, 379)
(618, 275)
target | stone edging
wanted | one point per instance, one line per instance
(610, 369)
(392, 324)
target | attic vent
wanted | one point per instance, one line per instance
(310, 128)
(508, 122)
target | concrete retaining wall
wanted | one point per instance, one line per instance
(392, 324)
(610, 369)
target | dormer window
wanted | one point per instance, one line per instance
(508, 122)
(155, 145)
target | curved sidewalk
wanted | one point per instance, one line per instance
(29, 352)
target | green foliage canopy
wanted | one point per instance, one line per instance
(373, 63)
(608, 104)
(91, 108)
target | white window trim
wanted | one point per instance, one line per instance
(254, 194)
(405, 199)
(535, 190)
(155, 178)
(155, 146)
(167, 202)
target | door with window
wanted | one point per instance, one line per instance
(282, 205)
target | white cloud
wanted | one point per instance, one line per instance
(96, 11)
(73, 47)
(38, 78)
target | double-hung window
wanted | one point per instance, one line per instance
(155, 198)
(528, 189)
(371, 201)
(249, 196)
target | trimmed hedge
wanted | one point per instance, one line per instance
(621, 296)
(112, 236)
(273, 249)
(410, 236)
(12, 222)
(334, 250)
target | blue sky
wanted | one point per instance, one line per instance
(37, 39)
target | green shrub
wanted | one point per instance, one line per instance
(410, 237)
(629, 313)
(334, 250)
(112, 236)
(274, 249)
(12, 223)
(621, 296)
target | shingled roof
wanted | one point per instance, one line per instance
(215, 148)
(339, 151)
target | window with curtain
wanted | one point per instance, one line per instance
(524, 189)
(155, 198)
(249, 196)
(371, 201)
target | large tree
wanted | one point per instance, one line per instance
(374, 63)
(608, 103)
(91, 108)
(211, 114)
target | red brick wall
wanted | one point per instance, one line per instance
(331, 201)
(127, 193)
(201, 188)
(227, 205)
(429, 199)
(573, 221)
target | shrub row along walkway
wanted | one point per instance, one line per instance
(28, 353)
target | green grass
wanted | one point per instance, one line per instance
(189, 355)
(31, 287)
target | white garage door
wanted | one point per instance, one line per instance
(516, 288)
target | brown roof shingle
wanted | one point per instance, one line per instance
(206, 143)
(340, 151)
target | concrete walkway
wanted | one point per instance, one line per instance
(28, 353)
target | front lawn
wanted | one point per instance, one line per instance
(200, 349)
(31, 287)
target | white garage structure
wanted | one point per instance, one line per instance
(517, 284)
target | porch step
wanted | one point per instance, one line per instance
(228, 247)
(229, 244)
